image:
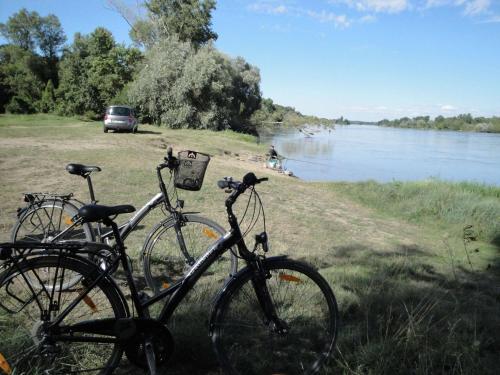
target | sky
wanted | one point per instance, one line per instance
(361, 59)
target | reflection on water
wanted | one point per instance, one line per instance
(361, 152)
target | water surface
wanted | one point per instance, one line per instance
(362, 152)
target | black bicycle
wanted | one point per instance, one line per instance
(275, 316)
(170, 248)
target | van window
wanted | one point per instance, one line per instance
(118, 111)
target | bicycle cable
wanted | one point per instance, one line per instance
(254, 219)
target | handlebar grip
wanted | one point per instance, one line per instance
(222, 184)
(250, 179)
(169, 151)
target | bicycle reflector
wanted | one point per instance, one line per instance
(4, 365)
(89, 301)
(285, 277)
(67, 220)
(210, 233)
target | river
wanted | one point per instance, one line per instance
(363, 152)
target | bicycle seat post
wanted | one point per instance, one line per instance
(91, 189)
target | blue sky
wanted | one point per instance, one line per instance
(363, 59)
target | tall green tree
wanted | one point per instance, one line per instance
(94, 70)
(21, 79)
(181, 86)
(48, 100)
(49, 36)
(188, 20)
(30, 31)
(21, 29)
(37, 35)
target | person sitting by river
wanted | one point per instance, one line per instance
(274, 159)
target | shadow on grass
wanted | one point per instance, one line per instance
(137, 132)
(406, 312)
(147, 132)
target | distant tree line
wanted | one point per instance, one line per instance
(465, 122)
(270, 112)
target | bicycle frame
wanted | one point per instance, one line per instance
(176, 292)
(125, 228)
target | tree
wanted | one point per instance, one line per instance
(21, 29)
(33, 33)
(94, 70)
(49, 36)
(30, 31)
(143, 33)
(21, 77)
(48, 103)
(181, 86)
(190, 20)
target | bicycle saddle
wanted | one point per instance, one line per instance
(82, 170)
(95, 212)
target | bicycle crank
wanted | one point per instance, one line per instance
(154, 333)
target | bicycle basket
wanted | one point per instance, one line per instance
(191, 170)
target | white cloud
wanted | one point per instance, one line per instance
(278, 28)
(448, 108)
(476, 7)
(379, 6)
(270, 8)
(340, 21)
(471, 7)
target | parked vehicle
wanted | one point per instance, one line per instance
(120, 117)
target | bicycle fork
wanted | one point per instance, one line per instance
(266, 302)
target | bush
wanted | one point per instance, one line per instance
(181, 86)
(19, 104)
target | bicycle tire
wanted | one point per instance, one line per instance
(43, 222)
(162, 260)
(21, 325)
(244, 340)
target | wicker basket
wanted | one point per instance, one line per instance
(191, 170)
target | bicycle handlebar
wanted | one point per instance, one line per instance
(171, 161)
(239, 187)
(248, 180)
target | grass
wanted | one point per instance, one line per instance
(414, 296)
(454, 205)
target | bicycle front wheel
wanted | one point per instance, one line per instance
(50, 221)
(165, 261)
(247, 342)
(27, 343)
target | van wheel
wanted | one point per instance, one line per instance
(105, 129)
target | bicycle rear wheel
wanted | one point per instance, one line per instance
(246, 342)
(50, 221)
(27, 344)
